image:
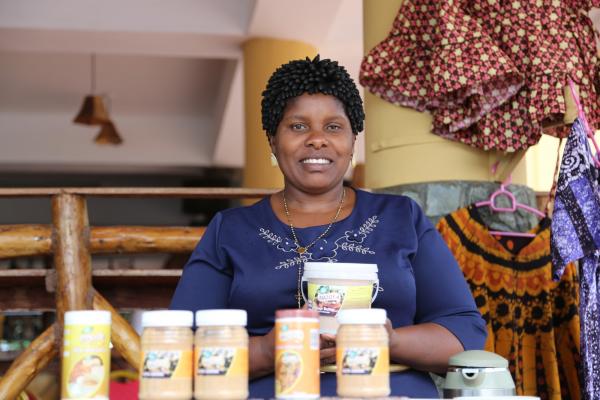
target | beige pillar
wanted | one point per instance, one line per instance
(399, 147)
(261, 57)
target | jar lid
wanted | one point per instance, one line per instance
(167, 318)
(87, 317)
(360, 316)
(336, 271)
(221, 317)
(296, 313)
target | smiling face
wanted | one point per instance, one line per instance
(313, 143)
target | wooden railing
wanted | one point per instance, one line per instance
(71, 241)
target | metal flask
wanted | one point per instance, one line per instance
(478, 373)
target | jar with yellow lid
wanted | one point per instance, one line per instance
(167, 353)
(362, 354)
(221, 355)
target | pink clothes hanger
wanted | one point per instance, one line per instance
(514, 204)
(586, 126)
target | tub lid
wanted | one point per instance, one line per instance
(168, 318)
(478, 359)
(328, 270)
(221, 317)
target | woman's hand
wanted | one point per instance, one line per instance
(425, 347)
(327, 349)
(261, 354)
(393, 336)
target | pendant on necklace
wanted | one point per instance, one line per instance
(301, 250)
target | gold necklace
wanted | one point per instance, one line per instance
(303, 249)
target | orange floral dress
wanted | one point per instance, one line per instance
(532, 320)
(492, 72)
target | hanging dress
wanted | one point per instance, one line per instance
(491, 72)
(532, 320)
(576, 236)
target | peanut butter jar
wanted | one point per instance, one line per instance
(167, 353)
(362, 354)
(221, 355)
(297, 354)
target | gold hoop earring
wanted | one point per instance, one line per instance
(353, 160)
(274, 162)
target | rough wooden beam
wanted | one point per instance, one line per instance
(36, 240)
(123, 336)
(137, 239)
(34, 359)
(24, 240)
(191, 193)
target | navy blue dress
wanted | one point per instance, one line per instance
(246, 259)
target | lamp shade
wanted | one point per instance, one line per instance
(108, 135)
(92, 111)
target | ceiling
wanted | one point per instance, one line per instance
(171, 71)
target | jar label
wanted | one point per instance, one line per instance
(363, 360)
(86, 362)
(329, 299)
(215, 361)
(167, 364)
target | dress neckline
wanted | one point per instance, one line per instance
(482, 235)
(357, 192)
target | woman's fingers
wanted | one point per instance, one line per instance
(328, 356)
(327, 340)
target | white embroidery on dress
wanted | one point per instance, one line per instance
(323, 250)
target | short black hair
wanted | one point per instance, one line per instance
(310, 76)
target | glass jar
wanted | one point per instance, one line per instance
(221, 355)
(362, 354)
(167, 353)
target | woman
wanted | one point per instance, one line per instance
(252, 257)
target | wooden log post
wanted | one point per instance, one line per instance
(72, 258)
(29, 363)
(123, 336)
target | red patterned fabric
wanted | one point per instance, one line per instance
(491, 72)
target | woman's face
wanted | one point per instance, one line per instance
(313, 143)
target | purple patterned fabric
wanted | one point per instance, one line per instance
(576, 236)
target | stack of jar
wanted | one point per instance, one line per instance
(216, 360)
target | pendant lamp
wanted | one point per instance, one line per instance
(108, 135)
(93, 112)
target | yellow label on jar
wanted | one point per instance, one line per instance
(221, 361)
(162, 364)
(329, 299)
(363, 360)
(86, 362)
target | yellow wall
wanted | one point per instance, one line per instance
(261, 57)
(399, 147)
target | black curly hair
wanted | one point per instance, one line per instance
(310, 76)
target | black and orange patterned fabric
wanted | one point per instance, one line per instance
(532, 320)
